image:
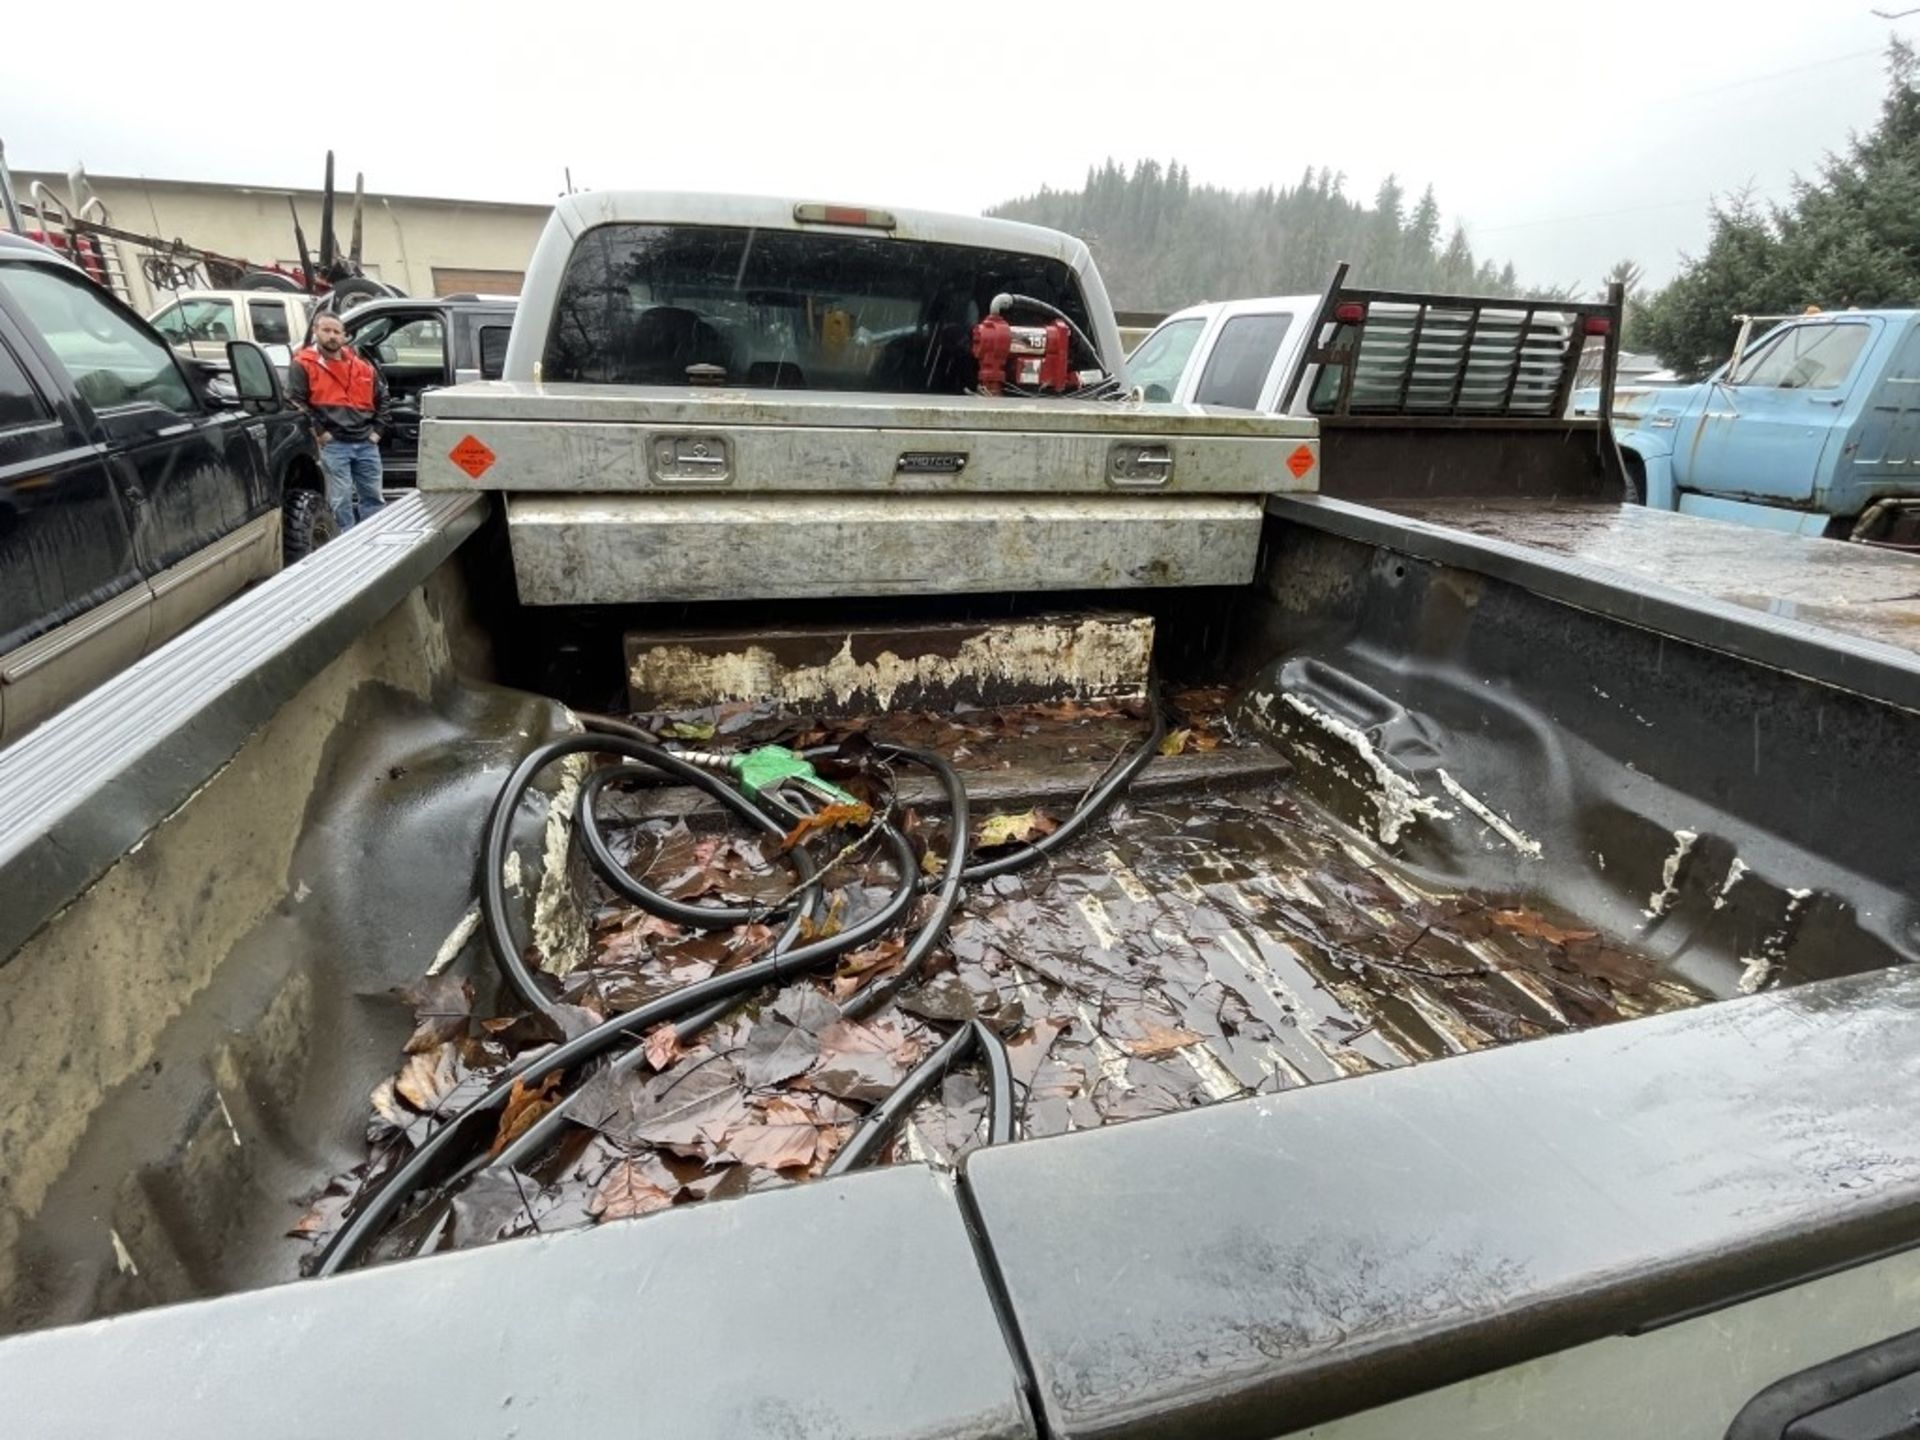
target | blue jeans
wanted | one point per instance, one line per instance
(353, 479)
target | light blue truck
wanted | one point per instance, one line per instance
(1813, 428)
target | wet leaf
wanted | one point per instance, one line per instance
(1025, 1055)
(1175, 742)
(1202, 740)
(663, 1047)
(1529, 922)
(776, 1052)
(943, 997)
(1027, 826)
(782, 1111)
(693, 1114)
(836, 816)
(625, 1193)
(322, 1218)
(774, 1147)
(1159, 1040)
(862, 1075)
(692, 730)
(808, 1008)
(932, 864)
(525, 1104)
(427, 1078)
(881, 1037)
(386, 1104)
(499, 1203)
(441, 1007)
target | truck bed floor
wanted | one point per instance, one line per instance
(1215, 936)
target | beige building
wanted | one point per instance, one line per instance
(426, 246)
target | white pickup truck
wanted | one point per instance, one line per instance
(712, 397)
(199, 323)
(1424, 356)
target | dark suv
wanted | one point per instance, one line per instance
(421, 345)
(137, 491)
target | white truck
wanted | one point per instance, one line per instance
(199, 323)
(713, 397)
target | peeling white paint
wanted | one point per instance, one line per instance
(510, 874)
(1397, 800)
(1487, 816)
(1100, 657)
(1734, 872)
(301, 892)
(1761, 968)
(1662, 899)
(122, 1257)
(559, 926)
(456, 940)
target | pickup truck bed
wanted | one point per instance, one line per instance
(1489, 1009)
(241, 1013)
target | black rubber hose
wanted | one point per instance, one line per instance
(885, 1118)
(1096, 803)
(493, 856)
(621, 880)
(931, 932)
(400, 1185)
(934, 930)
(705, 1001)
(999, 1083)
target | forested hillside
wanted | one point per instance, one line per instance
(1162, 241)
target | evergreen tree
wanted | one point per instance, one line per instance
(1162, 241)
(1850, 236)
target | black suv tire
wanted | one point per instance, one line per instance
(305, 524)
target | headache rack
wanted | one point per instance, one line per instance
(1465, 358)
(1388, 373)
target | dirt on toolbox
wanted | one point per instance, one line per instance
(1215, 935)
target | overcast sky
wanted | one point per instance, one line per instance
(1565, 136)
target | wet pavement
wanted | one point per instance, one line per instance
(1202, 942)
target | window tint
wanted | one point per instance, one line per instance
(1241, 357)
(1162, 356)
(269, 319)
(641, 304)
(20, 403)
(110, 359)
(1806, 357)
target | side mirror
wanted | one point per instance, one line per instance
(255, 381)
(493, 351)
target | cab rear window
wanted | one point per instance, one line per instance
(779, 309)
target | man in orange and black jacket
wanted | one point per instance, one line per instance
(345, 398)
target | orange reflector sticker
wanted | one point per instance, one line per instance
(472, 456)
(1299, 462)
